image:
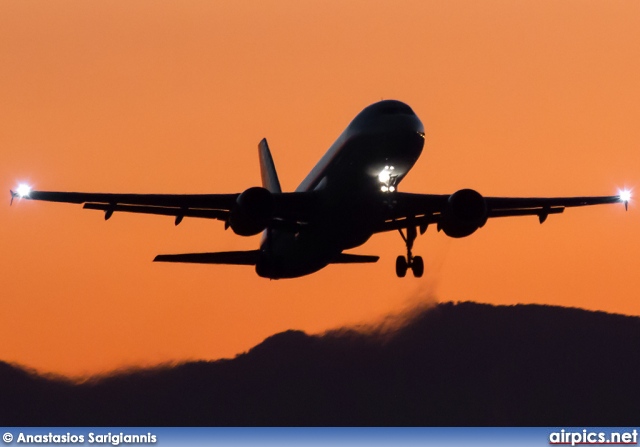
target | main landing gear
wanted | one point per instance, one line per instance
(415, 263)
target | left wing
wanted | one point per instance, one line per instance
(404, 210)
(289, 209)
(211, 206)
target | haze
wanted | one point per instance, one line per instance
(531, 99)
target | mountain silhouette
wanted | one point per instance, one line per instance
(463, 364)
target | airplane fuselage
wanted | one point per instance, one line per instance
(375, 152)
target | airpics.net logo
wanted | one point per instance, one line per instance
(586, 437)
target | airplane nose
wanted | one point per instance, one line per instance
(392, 107)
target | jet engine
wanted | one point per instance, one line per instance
(466, 211)
(252, 212)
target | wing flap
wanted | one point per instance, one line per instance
(419, 221)
(179, 213)
(542, 213)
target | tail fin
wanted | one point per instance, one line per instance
(267, 168)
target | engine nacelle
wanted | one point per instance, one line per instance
(466, 211)
(252, 212)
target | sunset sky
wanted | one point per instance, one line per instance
(518, 98)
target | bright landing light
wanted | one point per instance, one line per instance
(385, 174)
(23, 190)
(386, 179)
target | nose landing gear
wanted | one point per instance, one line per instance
(415, 263)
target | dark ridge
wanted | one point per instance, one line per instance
(454, 364)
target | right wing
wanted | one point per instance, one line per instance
(420, 210)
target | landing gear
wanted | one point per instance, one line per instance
(417, 266)
(415, 263)
(401, 266)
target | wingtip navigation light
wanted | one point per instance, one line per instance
(23, 190)
(625, 197)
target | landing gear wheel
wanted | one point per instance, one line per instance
(415, 263)
(417, 266)
(401, 266)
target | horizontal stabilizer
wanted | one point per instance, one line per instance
(225, 257)
(346, 258)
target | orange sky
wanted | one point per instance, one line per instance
(518, 98)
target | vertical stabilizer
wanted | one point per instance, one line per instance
(267, 168)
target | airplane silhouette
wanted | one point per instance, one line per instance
(351, 194)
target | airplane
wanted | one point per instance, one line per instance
(351, 194)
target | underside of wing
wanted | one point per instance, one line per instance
(468, 209)
(210, 206)
(541, 207)
(285, 210)
(250, 212)
(207, 201)
(498, 203)
(404, 210)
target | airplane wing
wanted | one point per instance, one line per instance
(289, 209)
(420, 210)
(541, 207)
(211, 206)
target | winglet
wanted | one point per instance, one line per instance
(13, 196)
(267, 168)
